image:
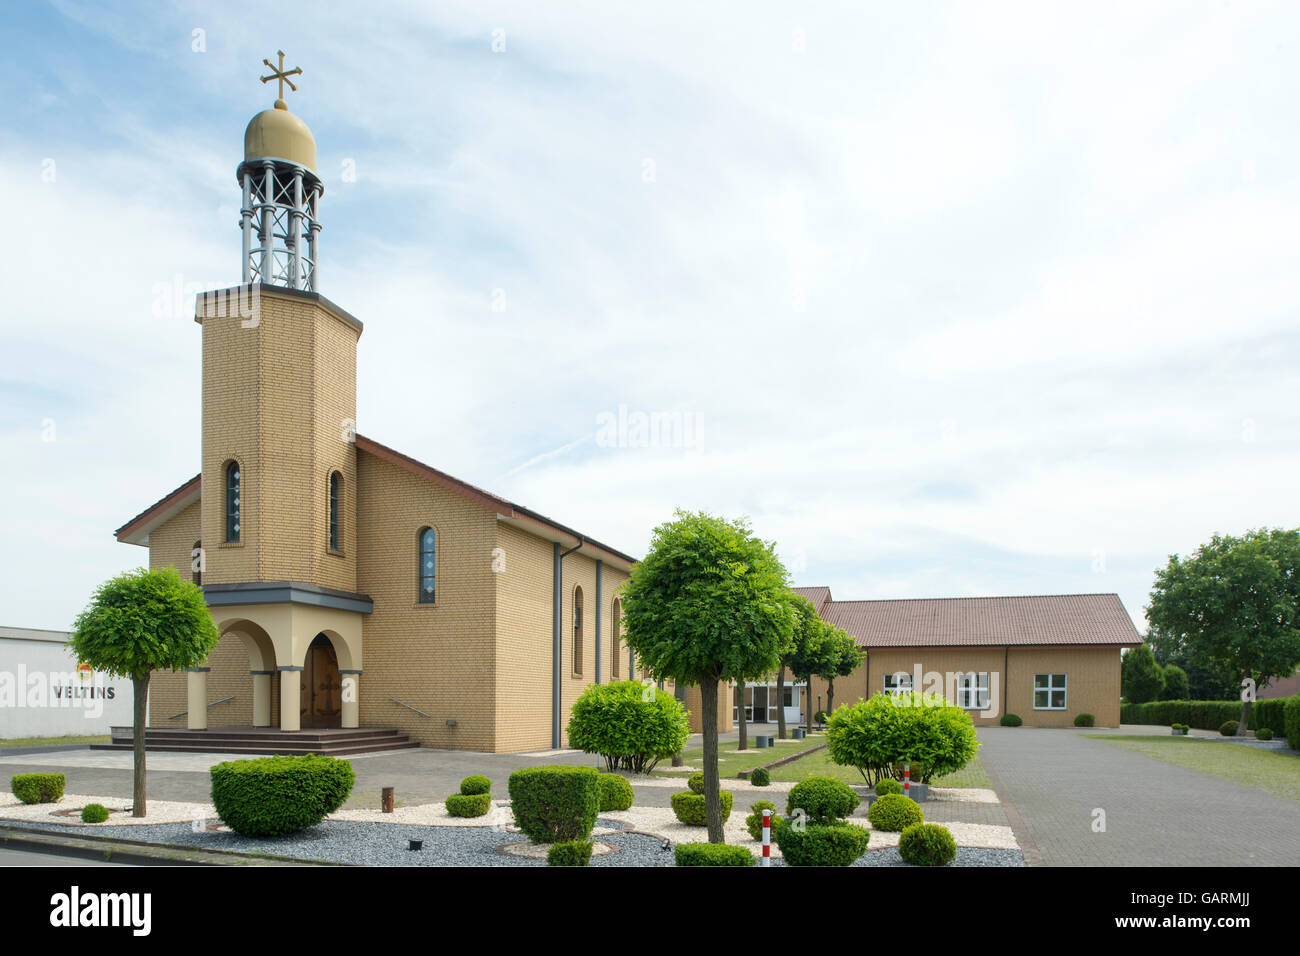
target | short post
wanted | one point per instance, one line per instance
(907, 779)
(386, 799)
(767, 837)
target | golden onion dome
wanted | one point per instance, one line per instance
(278, 134)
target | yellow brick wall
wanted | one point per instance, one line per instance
(170, 545)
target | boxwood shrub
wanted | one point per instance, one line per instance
(555, 804)
(1084, 720)
(887, 786)
(894, 812)
(835, 844)
(274, 796)
(760, 777)
(689, 807)
(632, 729)
(1228, 728)
(1264, 733)
(823, 800)
(1011, 720)
(712, 854)
(469, 804)
(94, 813)
(695, 782)
(475, 784)
(615, 792)
(38, 787)
(569, 853)
(927, 844)
(754, 822)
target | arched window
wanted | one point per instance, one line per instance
(336, 481)
(615, 622)
(196, 562)
(428, 541)
(577, 632)
(233, 501)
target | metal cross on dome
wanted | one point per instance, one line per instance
(281, 74)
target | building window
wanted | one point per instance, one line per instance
(336, 480)
(973, 691)
(1049, 692)
(428, 540)
(233, 501)
(615, 622)
(577, 632)
(898, 683)
(196, 562)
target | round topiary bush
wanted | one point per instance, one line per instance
(469, 804)
(760, 777)
(823, 800)
(1228, 728)
(754, 822)
(633, 727)
(1010, 720)
(927, 844)
(894, 812)
(475, 784)
(274, 796)
(1084, 720)
(835, 844)
(1263, 734)
(94, 813)
(712, 854)
(689, 807)
(696, 782)
(887, 785)
(615, 792)
(555, 804)
(569, 853)
(38, 787)
(876, 735)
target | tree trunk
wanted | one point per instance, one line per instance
(712, 798)
(830, 696)
(1244, 723)
(140, 686)
(780, 702)
(740, 715)
(679, 691)
(807, 705)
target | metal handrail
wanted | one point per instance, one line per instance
(213, 704)
(409, 707)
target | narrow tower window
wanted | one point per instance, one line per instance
(615, 622)
(577, 631)
(232, 501)
(428, 565)
(335, 481)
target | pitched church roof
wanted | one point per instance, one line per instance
(1072, 619)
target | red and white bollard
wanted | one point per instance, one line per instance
(767, 837)
(907, 779)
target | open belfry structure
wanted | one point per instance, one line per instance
(364, 599)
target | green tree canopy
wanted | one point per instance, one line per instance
(843, 658)
(1141, 679)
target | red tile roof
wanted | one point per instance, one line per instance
(1087, 619)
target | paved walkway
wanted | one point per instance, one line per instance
(1156, 813)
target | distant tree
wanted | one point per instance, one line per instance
(1203, 682)
(847, 657)
(137, 623)
(1141, 680)
(708, 604)
(807, 628)
(1234, 606)
(813, 651)
(1175, 683)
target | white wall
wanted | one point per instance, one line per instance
(43, 695)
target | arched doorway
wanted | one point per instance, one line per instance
(322, 689)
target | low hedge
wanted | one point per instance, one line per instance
(469, 804)
(712, 854)
(754, 822)
(94, 813)
(824, 800)
(38, 787)
(475, 784)
(569, 853)
(274, 796)
(927, 844)
(1011, 720)
(689, 807)
(835, 844)
(887, 786)
(555, 804)
(760, 777)
(1207, 714)
(1084, 720)
(894, 812)
(1291, 722)
(615, 792)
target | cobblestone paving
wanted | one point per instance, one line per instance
(1156, 814)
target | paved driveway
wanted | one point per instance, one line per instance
(1156, 814)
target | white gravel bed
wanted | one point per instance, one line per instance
(963, 794)
(728, 783)
(978, 835)
(157, 811)
(430, 815)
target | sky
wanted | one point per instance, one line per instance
(948, 299)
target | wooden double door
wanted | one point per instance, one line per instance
(321, 691)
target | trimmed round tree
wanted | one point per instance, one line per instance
(843, 658)
(709, 603)
(812, 650)
(629, 724)
(139, 622)
(878, 734)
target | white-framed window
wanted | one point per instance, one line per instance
(973, 691)
(1049, 692)
(898, 683)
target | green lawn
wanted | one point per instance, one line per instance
(731, 763)
(50, 741)
(1274, 773)
(821, 765)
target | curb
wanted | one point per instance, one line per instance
(744, 774)
(137, 852)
